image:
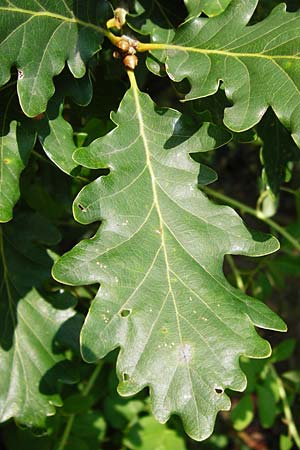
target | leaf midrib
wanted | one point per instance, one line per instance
(161, 222)
(153, 186)
(55, 16)
(148, 46)
(204, 51)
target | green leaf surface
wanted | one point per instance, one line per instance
(46, 190)
(54, 131)
(15, 438)
(147, 434)
(31, 321)
(153, 18)
(158, 256)
(56, 136)
(91, 427)
(285, 442)
(15, 146)
(258, 64)
(76, 443)
(266, 406)
(120, 411)
(277, 152)
(39, 37)
(284, 350)
(252, 368)
(293, 376)
(243, 413)
(77, 404)
(270, 382)
(209, 7)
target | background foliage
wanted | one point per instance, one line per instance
(138, 151)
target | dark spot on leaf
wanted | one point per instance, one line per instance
(125, 376)
(219, 391)
(164, 330)
(82, 208)
(125, 312)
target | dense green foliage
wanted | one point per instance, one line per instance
(134, 325)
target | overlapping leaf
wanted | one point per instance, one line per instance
(258, 64)
(15, 146)
(147, 434)
(39, 37)
(56, 136)
(278, 151)
(17, 137)
(32, 322)
(157, 21)
(209, 7)
(152, 17)
(158, 256)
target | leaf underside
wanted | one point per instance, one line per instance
(54, 131)
(30, 321)
(158, 255)
(258, 64)
(39, 37)
(56, 136)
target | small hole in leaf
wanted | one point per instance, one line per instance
(125, 376)
(82, 208)
(219, 391)
(125, 312)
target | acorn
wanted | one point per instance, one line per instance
(116, 54)
(130, 61)
(131, 50)
(120, 17)
(123, 45)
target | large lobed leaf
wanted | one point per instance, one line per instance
(158, 255)
(39, 37)
(258, 64)
(32, 323)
